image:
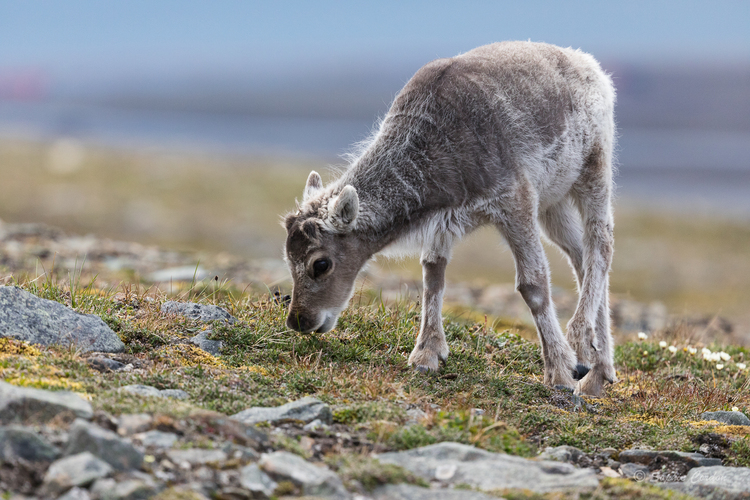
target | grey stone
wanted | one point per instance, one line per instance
(569, 454)
(138, 486)
(657, 458)
(726, 417)
(201, 312)
(20, 442)
(730, 479)
(132, 423)
(311, 479)
(182, 273)
(76, 470)
(315, 425)
(636, 471)
(305, 410)
(157, 439)
(149, 391)
(27, 405)
(257, 481)
(27, 317)
(104, 364)
(116, 451)
(455, 463)
(174, 394)
(76, 494)
(411, 492)
(197, 456)
(210, 346)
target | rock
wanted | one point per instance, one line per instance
(139, 486)
(311, 479)
(726, 417)
(635, 471)
(174, 394)
(655, 459)
(230, 429)
(76, 470)
(182, 273)
(257, 481)
(103, 364)
(314, 425)
(197, 456)
(415, 415)
(716, 482)
(411, 492)
(76, 494)
(305, 410)
(149, 391)
(454, 463)
(27, 317)
(116, 451)
(201, 312)
(27, 405)
(569, 454)
(21, 442)
(133, 423)
(212, 347)
(157, 439)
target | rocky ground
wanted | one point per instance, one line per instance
(194, 389)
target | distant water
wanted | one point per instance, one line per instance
(692, 169)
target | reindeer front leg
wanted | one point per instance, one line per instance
(431, 346)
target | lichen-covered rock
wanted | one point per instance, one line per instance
(200, 312)
(304, 410)
(311, 479)
(27, 405)
(564, 453)
(656, 458)
(725, 483)
(257, 482)
(21, 442)
(197, 456)
(27, 317)
(138, 486)
(411, 492)
(76, 470)
(212, 347)
(116, 451)
(157, 439)
(726, 417)
(455, 463)
(149, 391)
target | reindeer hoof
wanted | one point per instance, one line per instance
(422, 369)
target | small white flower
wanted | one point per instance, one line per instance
(672, 349)
(719, 366)
(741, 366)
(691, 350)
(645, 353)
(734, 408)
(642, 335)
(707, 355)
(706, 351)
(724, 356)
(663, 344)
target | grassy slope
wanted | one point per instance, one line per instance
(360, 369)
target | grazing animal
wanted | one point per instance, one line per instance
(519, 135)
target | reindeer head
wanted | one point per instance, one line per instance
(323, 254)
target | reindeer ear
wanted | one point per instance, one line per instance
(345, 209)
(314, 184)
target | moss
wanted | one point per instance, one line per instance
(13, 347)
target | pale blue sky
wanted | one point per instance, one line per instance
(149, 35)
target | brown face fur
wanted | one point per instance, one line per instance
(324, 265)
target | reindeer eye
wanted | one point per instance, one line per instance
(320, 266)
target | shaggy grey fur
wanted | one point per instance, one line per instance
(515, 134)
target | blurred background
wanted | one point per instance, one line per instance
(193, 125)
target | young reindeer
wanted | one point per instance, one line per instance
(516, 134)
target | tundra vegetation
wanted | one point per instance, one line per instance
(360, 369)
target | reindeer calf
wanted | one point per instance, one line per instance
(515, 134)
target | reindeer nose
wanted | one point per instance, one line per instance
(299, 322)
